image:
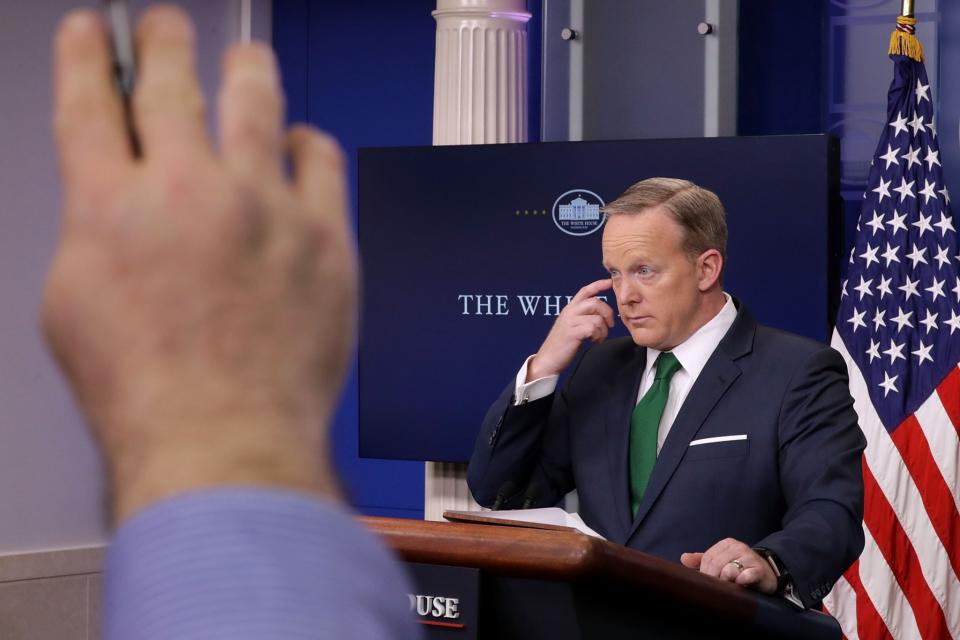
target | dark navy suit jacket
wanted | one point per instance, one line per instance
(794, 485)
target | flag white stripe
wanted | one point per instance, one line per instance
(895, 482)
(841, 602)
(943, 440)
(884, 592)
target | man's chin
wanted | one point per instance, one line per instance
(644, 337)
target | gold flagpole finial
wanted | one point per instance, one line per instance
(903, 40)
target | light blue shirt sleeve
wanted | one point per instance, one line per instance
(251, 563)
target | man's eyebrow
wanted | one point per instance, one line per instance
(633, 264)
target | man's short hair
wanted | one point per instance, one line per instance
(698, 211)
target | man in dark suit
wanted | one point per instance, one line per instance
(704, 437)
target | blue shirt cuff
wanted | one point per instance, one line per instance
(245, 563)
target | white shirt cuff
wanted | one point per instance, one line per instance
(789, 593)
(525, 392)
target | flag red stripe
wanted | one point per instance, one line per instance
(937, 498)
(869, 623)
(900, 555)
(949, 392)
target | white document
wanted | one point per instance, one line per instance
(549, 515)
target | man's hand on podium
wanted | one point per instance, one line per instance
(734, 561)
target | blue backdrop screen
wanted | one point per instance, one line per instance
(469, 252)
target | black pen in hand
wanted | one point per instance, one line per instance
(124, 60)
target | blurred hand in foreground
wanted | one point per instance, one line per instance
(201, 304)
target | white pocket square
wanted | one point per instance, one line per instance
(716, 439)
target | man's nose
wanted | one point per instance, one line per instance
(628, 291)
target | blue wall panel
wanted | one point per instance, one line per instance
(948, 118)
(370, 82)
(781, 58)
(363, 71)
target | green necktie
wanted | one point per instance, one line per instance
(644, 427)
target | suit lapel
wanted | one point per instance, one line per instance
(625, 386)
(716, 377)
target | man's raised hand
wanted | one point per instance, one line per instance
(584, 318)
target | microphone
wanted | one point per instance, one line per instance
(503, 493)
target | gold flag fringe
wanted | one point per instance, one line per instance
(904, 42)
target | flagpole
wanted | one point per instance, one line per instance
(903, 41)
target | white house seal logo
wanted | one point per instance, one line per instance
(577, 212)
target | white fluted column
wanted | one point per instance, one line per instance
(480, 78)
(479, 96)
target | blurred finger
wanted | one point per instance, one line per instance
(318, 173)
(251, 111)
(91, 134)
(168, 103)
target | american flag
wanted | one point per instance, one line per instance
(899, 330)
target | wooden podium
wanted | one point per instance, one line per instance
(533, 583)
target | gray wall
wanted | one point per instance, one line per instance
(49, 474)
(50, 481)
(670, 80)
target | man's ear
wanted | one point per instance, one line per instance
(709, 268)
